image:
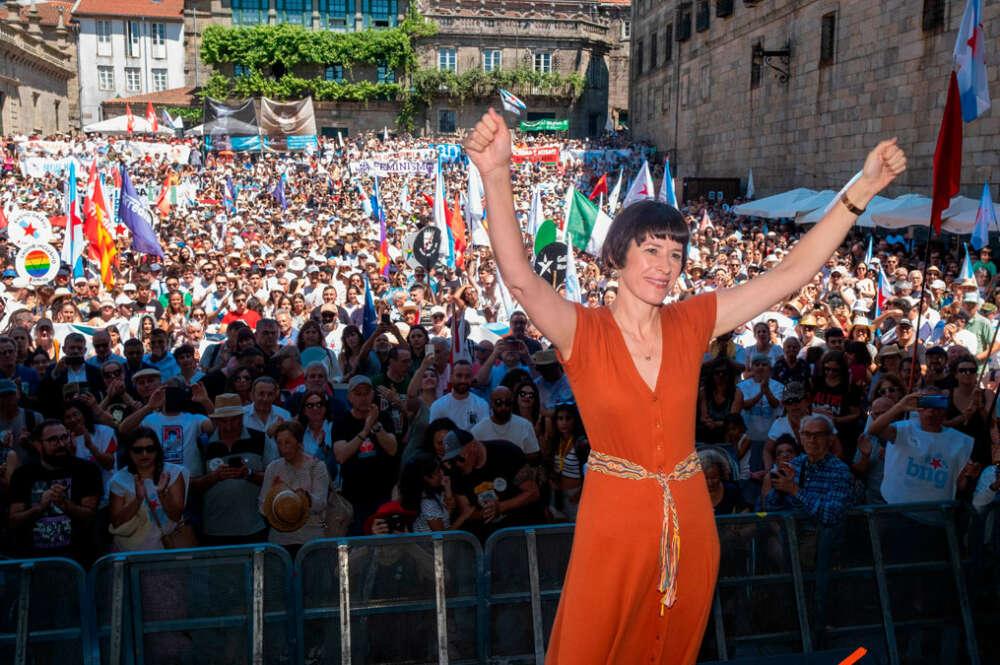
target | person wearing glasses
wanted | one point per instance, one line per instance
(758, 399)
(26, 377)
(503, 424)
(240, 312)
(834, 396)
(101, 341)
(53, 499)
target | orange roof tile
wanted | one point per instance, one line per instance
(168, 9)
(47, 11)
(173, 97)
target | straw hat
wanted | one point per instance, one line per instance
(284, 508)
(808, 320)
(861, 322)
(227, 405)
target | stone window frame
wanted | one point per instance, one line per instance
(442, 116)
(157, 73)
(541, 61)
(498, 65)
(133, 73)
(104, 29)
(105, 77)
(447, 59)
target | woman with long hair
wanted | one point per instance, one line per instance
(147, 495)
(567, 448)
(350, 348)
(23, 339)
(417, 339)
(426, 490)
(300, 313)
(715, 400)
(968, 408)
(317, 437)
(146, 325)
(528, 404)
(94, 442)
(835, 397)
(634, 369)
(240, 383)
(311, 336)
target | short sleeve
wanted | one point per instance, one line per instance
(698, 316)
(122, 484)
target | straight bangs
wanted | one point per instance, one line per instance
(638, 222)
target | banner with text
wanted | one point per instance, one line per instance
(545, 125)
(545, 154)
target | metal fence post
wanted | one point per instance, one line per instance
(536, 596)
(117, 611)
(440, 601)
(721, 648)
(883, 588)
(798, 584)
(23, 613)
(257, 609)
(343, 558)
(963, 592)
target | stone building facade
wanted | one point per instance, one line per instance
(800, 90)
(38, 84)
(589, 37)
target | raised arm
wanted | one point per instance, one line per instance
(488, 146)
(741, 303)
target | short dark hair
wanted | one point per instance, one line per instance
(639, 221)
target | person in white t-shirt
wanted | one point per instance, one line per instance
(465, 409)
(924, 460)
(178, 431)
(758, 399)
(504, 424)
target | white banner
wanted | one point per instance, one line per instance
(384, 168)
(175, 153)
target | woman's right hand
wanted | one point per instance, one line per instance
(488, 146)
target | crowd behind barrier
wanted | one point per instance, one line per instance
(272, 348)
(444, 598)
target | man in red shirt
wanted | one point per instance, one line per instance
(240, 313)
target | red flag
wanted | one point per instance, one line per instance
(163, 202)
(129, 119)
(101, 247)
(947, 155)
(3, 219)
(457, 226)
(600, 187)
(151, 117)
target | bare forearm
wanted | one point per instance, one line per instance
(505, 235)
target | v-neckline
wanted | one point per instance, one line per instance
(631, 361)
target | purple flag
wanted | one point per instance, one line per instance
(279, 192)
(135, 214)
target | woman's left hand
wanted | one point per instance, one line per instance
(883, 164)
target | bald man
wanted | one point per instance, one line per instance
(504, 425)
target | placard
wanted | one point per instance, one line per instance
(38, 263)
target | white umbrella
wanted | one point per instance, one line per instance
(784, 322)
(960, 217)
(877, 204)
(119, 125)
(775, 207)
(917, 212)
(195, 131)
(817, 201)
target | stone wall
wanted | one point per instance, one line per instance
(38, 84)
(887, 76)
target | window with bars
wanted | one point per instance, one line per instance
(336, 13)
(133, 79)
(295, 12)
(933, 14)
(103, 37)
(683, 21)
(334, 73)
(543, 62)
(133, 39)
(105, 77)
(249, 12)
(828, 40)
(446, 121)
(159, 80)
(447, 59)
(491, 60)
(668, 43)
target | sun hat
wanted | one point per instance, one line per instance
(227, 405)
(284, 508)
(545, 357)
(149, 371)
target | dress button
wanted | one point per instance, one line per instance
(655, 398)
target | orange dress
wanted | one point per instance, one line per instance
(614, 604)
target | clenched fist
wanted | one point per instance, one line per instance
(488, 146)
(883, 164)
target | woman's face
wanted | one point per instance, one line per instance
(565, 422)
(315, 408)
(418, 339)
(610, 296)
(436, 479)
(298, 303)
(429, 379)
(73, 420)
(20, 336)
(143, 452)
(288, 446)
(310, 336)
(176, 301)
(439, 443)
(526, 397)
(68, 312)
(40, 364)
(713, 478)
(242, 381)
(147, 326)
(353, 339)
(784, 452)
(651, 269)
(966, 373)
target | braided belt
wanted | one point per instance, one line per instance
(670, 537)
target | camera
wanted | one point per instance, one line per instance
(396, 523)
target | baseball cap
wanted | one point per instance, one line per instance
(357, 380)
(9, 273)
(438, 309)
(7, 386)
(454, 441)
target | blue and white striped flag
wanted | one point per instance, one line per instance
(511, 103)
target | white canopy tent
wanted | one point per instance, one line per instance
(960, 217)
(119, 125)
(877, 204)
(917, 212)
(777, 206)
(817, 201)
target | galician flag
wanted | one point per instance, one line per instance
(750, 191)
(72, 249)
(229, 196)
(615, 194)
(536, 215)
(474, 210)
(966, 272)
(667, 193)
(441, 216)
(586, 224)
(511, 103)
(868, 254)
(985, 216)
(404, 197)
(573, 290)
(970, 62)
(642, 187)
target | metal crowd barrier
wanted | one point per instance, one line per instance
(379, 599)
(45, 613)
(890, 578)
(222, 604)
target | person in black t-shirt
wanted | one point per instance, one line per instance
(53, 500)
(364, 443)
(493, 481)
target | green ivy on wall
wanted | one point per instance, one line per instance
(192, 116)
(476, 83)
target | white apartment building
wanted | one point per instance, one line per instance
(127, 49)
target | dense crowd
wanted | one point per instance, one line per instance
(227, 392)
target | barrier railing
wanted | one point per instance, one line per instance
(422, 590)
(890, 578)
(45, 613)
(171, 606)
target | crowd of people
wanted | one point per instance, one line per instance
(234, 390)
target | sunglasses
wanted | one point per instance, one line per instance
(502, 402)
(139, 450)
(966, 370)
(113, 374)
(525, 394)
(314, 405)
(886, 391)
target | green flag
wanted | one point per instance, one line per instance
(544, 125)
(546, 235)
(587, 224)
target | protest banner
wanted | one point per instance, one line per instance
(545, 154)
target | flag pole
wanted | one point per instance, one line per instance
(920, 307)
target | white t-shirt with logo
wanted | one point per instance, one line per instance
(465, 413)
(762, 415)
(924, 466)
(179, 438)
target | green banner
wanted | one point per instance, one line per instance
(544, 125)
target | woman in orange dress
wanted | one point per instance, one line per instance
(646, 552)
